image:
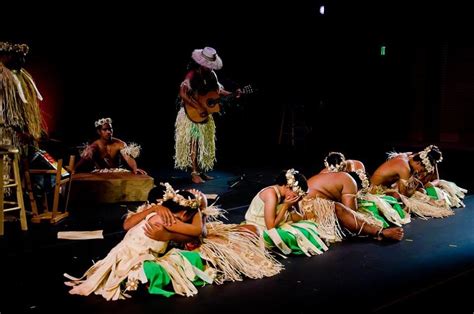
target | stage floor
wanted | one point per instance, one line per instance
(428, 268)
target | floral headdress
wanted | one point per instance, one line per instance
(5, 46)
(103, 121)
(337, 167)
(21, 49)
(363, 178)
(425, 159)
(171, 194)
(292, 183)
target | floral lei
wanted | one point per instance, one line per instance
(171, 194)
(338, 167)
(292, 183)
(103, 121)
(426, 161)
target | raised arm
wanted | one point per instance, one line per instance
(134, 219)
(270, 199)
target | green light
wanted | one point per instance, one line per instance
(382, 50)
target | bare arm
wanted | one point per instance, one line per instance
(193, 229)
(272, 219)
(404, 175)
(159, 233)
(133, 164)
(134, 219)
(185, 93)
(349, 194)
(87, 156)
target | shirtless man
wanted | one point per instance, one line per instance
(107, 151)
(406, 171)
(336, 161)
(334, 193)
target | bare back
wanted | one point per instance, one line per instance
(392, 171)
(335, 186)
(351, 165)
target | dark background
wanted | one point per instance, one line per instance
(126, 61)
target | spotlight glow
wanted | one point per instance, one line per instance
(321, 9)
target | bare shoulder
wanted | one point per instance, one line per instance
(268, 194)
(118, 142)
(358, 165)
(344, 177)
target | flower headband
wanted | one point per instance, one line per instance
(336, 167)
(103, 121)
(171, 194)
(5, 46)
(292, 183)
(363, 178)
(426, 161)
(21, 49)
(16, 48)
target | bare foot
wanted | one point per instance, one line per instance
(197, 179)
(206, 177)
(395, 233)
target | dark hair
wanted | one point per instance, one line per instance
(334, 158)
(302, 182)
(192, 65)
(357, 179)
(156, 193)
(434, 155)
(175, 207)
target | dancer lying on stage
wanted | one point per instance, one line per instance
(274, 211)
(138, 258)
(332, 200)
(336, 162)
(406, 175)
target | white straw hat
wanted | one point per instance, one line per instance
(207, 57)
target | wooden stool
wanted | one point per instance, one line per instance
(15, 183)
(56, 214)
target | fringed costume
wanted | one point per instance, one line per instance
(11, 108)
(289, 237)
(136, 259)
(30, 95)
(199, 135)
(236, 253)
(384, 208)
(323, 212)
(448, 191)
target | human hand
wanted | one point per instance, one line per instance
(88, 152)
(165, 214)
(291, 199)
(196, 192)
(238, 93)
(156, 232)
(139, 171)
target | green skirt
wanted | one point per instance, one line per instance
(295, 238)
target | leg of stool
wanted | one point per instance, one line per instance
(19, 193)
(1, 195)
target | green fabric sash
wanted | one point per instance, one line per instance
(431, 192)
(372, 208)
(290, 239)
(158, 277)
